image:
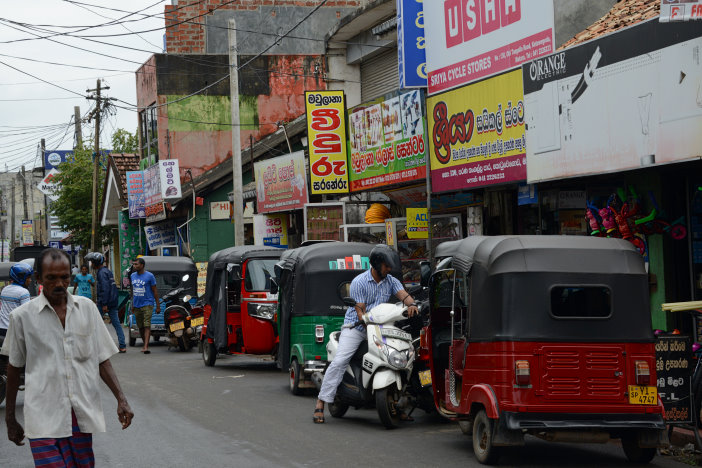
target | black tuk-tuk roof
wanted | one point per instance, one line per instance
(240, 254)
(317, 257)
(447, 248)
(5, 270)
(512, 279)
(165, 263)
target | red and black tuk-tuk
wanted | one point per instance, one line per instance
(545, 335)
(240, 310)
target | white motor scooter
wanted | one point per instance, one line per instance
(379, 371)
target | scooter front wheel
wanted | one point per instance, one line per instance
(337, 409)
(385, 400)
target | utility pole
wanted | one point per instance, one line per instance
(24, 194)
(237, 185)
(12, 221)
(96, 164)
(45, 220)
(79, 128)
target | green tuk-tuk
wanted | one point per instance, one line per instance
(309, 309)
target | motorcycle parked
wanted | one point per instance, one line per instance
(377, 374)
(183, 321)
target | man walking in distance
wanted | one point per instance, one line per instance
(144, 299)
(64, 347)
(84, 283)
(107, 295)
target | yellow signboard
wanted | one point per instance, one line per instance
(417, 223)
(326, 136)
(201, 278)
(477, 134)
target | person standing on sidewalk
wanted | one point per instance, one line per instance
(144, 299)
(107, 295)
(65, 350)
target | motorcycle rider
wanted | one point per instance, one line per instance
(14, 294)
(370, 288)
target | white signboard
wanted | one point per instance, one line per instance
(680, 10)
(467, 40)
(47, 186)
(220, 210)
(159, 235)
(170, 179)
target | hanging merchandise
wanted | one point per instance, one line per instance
(377, 213)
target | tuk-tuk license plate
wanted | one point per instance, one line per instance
(399, 334)
(639, 395)
(197, 321)
(177, 326)
(425, 377)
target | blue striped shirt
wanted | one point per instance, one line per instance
(365, 290)
(11, 297)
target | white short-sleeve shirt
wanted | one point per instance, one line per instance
(61, 365)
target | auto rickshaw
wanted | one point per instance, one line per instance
(238, 303)
(309, 309)
(545, 335)
(171, 273)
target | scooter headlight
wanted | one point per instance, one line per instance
(398, 359)
(382, 347)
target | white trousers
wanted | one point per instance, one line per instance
(349, 341)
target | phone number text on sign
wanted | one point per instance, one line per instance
(326, 132)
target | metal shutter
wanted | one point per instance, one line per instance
(379, 75)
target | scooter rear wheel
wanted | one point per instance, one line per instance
(385, 404)
(338, 410)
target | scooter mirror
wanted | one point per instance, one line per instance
(185, 278)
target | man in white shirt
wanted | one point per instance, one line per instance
(64, 347)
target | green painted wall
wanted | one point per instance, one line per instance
(183, 116)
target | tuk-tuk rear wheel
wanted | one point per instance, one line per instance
(209, 353)
(634, 453)
(295, 377)
(485, 452)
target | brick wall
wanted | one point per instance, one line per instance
(186, 31)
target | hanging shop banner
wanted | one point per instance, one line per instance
(48, 186)
(27, 232)
(326, 136)
(129, 243)
(159, 235)
(170, 179)
(417, 223)
(201, 278)
(615, 103)
(470, 40)
(387, 142)
(477, 134)
(281, 183)
(271, 230)
(680, 10)
(411, 55)
(135, 194)
(152, 185)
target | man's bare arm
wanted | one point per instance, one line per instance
(124, 412)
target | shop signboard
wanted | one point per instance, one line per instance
(615, 103)
(48, 186)
(387, 142)
(473, 39)
(169, 174)
(477, 134)
(27, 232)
(680, 10)
(271, 230)
(411, 55)
(674, 367)
(220, 210)
(152, 185)
(417, 223)
(159, 235)
(135, 194)
(129, 243)
(281, 183)
(52, 159)
(326, 136)
(4, 250)
(527, 194)
(201, 278)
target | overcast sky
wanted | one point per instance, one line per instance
(32, 109)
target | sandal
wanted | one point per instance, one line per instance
(318, 417)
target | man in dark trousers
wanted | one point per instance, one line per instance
(65, 348)
(107, 295)
(144, 299)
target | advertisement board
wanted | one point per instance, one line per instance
(220, 210)
(201, 278)
(47, 186)
(473, 39)
(271, 230)
(417, 223)
(615, 103)
(387, 141)
(322, 220)
(152, 185)
(52, 159)
(129, 243)
(27, 232)
(477, 134)
(411, 56)
(326, 135)
(680, 10)
(170, 179)
(281, 183)
(159, 235)
(135, 194)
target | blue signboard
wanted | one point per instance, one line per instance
(527, 194)
(410, 44)
(53, 158)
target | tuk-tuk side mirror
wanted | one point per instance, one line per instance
(274, 286)
(349, 301)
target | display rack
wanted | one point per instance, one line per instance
(369, 233)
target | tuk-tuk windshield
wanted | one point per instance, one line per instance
(258, 274)
(167, 281)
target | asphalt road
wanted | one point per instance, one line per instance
(240, 413)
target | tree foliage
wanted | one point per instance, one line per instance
(124, 142)
(74, 205)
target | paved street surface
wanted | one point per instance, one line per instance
(241, 414)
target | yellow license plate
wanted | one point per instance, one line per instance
(425, 378)
(177, 326)
(197, 321)
(639, 395)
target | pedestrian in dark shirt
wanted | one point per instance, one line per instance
(107, 295)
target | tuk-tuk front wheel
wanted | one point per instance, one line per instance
(634, 453)
(485, 452)
(295, 377)
(209, 353)
(385, 400)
